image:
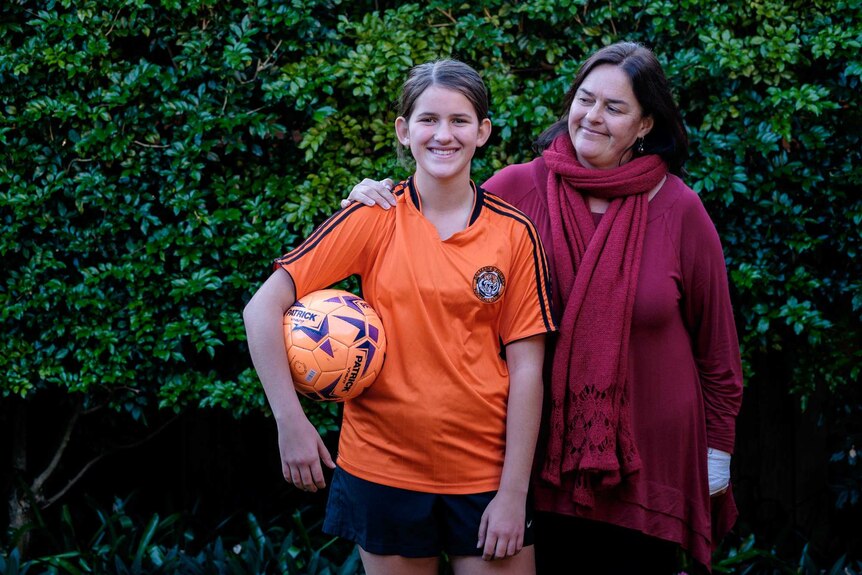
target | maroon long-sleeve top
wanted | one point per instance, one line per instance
(684, 367)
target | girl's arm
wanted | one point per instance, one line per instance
(501, 532)
(301, 447)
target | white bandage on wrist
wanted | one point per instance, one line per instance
(718, 467)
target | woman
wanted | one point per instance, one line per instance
(645, 379)
(435, 457)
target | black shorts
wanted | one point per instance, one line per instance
(391, 521)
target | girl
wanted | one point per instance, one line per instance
(435, 457)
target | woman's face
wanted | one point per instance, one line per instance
(605, 119)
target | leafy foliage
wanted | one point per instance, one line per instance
(775, 148)
(158, 155)
(748, 558)
(125, 544)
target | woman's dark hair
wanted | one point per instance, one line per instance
(450, 74)
(668, 137)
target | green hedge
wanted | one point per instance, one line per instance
(158, 155)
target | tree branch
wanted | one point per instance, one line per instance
(40, 480)
(48, 501)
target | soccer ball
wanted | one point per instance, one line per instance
(335, 345)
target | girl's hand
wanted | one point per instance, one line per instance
(371, 192)
(302, 452)
(501, 531)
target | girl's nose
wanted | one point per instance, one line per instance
(443, 133)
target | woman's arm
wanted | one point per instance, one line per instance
(709, 314)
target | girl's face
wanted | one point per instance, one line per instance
(605, 119)
(443, 132)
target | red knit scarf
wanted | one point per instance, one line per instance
(590, 438)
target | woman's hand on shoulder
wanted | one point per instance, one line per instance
(371, 192)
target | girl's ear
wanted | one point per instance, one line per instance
(402, 131)
(484, 132)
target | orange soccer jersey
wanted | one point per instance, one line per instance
(435, 419)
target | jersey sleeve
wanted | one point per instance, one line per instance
(527, 306)
(343, 245)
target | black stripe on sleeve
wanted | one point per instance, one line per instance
(325, 229)
(540, 260)
(318, 234)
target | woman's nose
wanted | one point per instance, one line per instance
(594, 113)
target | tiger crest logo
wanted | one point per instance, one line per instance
(488, 284)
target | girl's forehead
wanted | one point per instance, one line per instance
(438, 99)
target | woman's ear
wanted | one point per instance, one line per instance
(484, 132)
(402, 131)
(646, 126)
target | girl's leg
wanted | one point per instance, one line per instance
(524, 563)
(398, 565)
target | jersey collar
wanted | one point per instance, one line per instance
(478, 194)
